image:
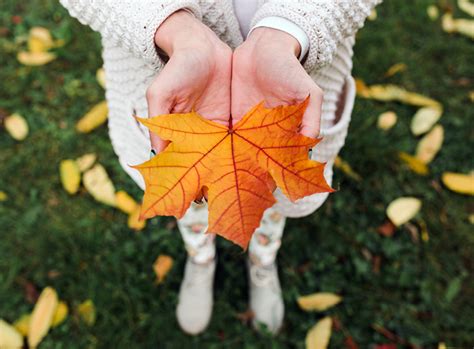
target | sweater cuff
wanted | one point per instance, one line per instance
(287, 26)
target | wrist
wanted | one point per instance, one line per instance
(181, 30)
(280, 40)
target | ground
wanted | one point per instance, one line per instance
(419, 291)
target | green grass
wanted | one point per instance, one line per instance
(422, 292)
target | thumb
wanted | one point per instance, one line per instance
(310, 125)
(157, 105)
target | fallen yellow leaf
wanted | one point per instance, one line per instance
(86, 161)
(318, 301)
(346, 168)
(387, 120)
(70, 175)
(458, 182)
(3, 196)
(373, 15)
(424, 119)
(93, 118)
(134, 222)
(319, 335)
(42, 316)
(401, 210)
(87, 312)
(162, 266)
(466, 6)
(23, 324)
(35, 58)
(433, 12)
(471, 218)
(430, 145)
(40, 40)
(460, 26)
(60, 314)
(100, 76)
(414, 164)
(396, 68)
(98, 184)
(16, 126)
(471, 96)
(9, 336)
(442, 346)
(125, 202)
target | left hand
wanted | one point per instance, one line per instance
(266, 68)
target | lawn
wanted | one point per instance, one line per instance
(419, 290)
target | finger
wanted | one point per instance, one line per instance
(310, 126)
(157, 105)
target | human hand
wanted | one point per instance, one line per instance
(197, 75)
(266, 68)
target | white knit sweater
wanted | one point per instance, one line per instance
(131, 61)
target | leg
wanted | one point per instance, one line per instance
(195, 303)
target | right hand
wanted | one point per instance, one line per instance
(197, 75)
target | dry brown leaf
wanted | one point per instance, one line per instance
(401, 210)
(319, 335)
(86, 161)
(100, 76)
(35, 58)
(162, 266)
(3, 196)
(318, 301)
(414, 164)
(466, 6)
(60, 314)
(42, 316)
(87, 312)
(395, 69)
(125, 202)
(433, 12)
(16, 126)
(93, 118)
(346, 168)
(430, 145)
(387, 120)
(70, 175)
(458, 182)
(9, 336)
(134, 222)
(23, 324)
(461, 26)
(424, 119)
(98, 184)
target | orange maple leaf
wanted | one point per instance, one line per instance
(239, 165)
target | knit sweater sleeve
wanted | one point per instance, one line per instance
(129, 24)
(326, 22)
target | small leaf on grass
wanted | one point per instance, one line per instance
(387, 229)
(134, 222)
(93, 118)
(387, 120)
(401, 210)
(319, 335)
(23, 324)
(60, 314)
(40, 40)
(87, 312)
(442, 345)
(433, 12)
(3, 196)
(318, 301)
(466, 6)
(125, 202)
(424, 119)
(99, 185)
(373, 15)
(414, 164)
(395, 69)
(162, 266)
(458, 182)
(454, 287)
(430, 145)
(70, 176)
(86, 161)
(42, 316)
(346, 168)
(100, 76)
(35, 58)
(16, 126)
(9, 336)
(461, 26)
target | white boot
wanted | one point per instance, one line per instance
(266, 300)
(196, 296)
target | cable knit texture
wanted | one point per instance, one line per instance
(131, 62)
